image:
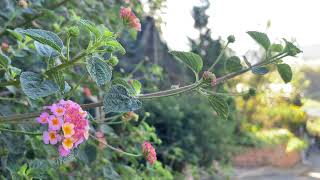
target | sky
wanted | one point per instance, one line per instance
(291, 19)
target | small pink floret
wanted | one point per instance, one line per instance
(130, 18)
(63, 152)
(55, 123)
(43, 118)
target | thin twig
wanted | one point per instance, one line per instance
(165, 93)
(115, 149)
(19, 132)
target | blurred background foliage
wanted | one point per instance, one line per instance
(189, 137)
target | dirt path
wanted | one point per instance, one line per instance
(299, 172)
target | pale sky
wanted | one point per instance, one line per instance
(292, 19)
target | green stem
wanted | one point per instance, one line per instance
(218, 58)
(166, 93)
(117, 122)
(170, 92)
(19, 132)
(108, 119)
(9, 83)
(115, 149)
(262, 63)
(66, 64)
(68, 48)
(12, 100)
(135, 69)
(77, 86)
(222, 94)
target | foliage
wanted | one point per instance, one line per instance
(190, 134)
(273, 137)
(52, 53)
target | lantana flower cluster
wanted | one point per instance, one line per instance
(67, 125)
(149, 152)
(130, 18)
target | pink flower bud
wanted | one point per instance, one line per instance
(130, 18)
(149, 152)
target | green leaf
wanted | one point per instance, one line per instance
(116, 46)
(276, 48)
(15, 34)
(260, 38)
(90, 26)
(45, 50)
(110, 173)
(233, 64)
(285, 72)
(125, 84)
(91, 152)
(99, 70)
(219, 104)
(44, 37)
(291, 49)
(192, 60)
(67, 87)
(35, 87)
(137, 86)
(14, 71)
(5, 61)
(118, 100)
(260, 70)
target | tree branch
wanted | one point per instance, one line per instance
(20, 117)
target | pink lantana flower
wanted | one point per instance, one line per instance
(50, 137)
(43, 119)
(130, 18)
(68, 125)
(55, 123)
(149, 152)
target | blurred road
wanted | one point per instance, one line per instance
(299, 172)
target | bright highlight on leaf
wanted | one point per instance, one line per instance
(260, 38)
(119, 100)
(192, 60)
(34, 86)
(219, 104)
(5, 61)
(90, 26)
(45, 50)
(99, 70)
(45, 37)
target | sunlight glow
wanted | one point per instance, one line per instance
(288, 19)
(314, 175)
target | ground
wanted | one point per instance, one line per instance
(301, 171)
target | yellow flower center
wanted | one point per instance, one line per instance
(68, 129)
(67, 143)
